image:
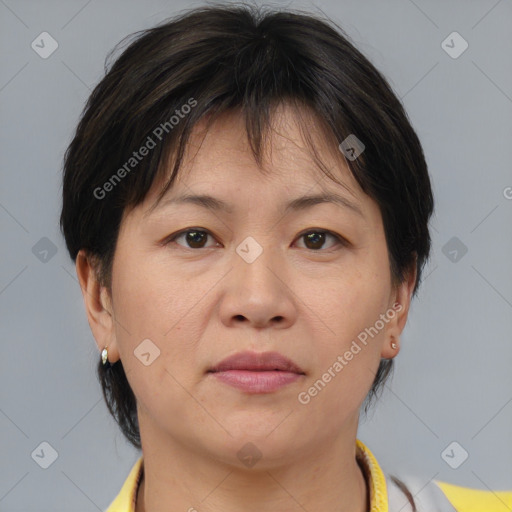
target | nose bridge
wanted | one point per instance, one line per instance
(258, 262)
(257, 289)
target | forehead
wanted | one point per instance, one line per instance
(285, 137)
(295, 149)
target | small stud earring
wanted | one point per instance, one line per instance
(104, 356)
(393, 345)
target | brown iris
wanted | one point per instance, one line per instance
(316, 237)
(194, 237)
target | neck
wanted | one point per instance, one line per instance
(326, 478)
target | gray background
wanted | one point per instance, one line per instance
(452, 380)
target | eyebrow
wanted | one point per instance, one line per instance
(297, 204)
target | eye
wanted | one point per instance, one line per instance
(195, 238)
(315, 238)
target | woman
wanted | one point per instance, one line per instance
(247, 205)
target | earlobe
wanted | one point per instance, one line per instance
(391, 348)
(401, 301)
(97, 305)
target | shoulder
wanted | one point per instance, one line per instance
(437, 496)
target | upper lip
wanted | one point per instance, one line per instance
(262, 361)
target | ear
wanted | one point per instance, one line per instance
(400, 301)
(98, 305)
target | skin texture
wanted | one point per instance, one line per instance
(303, 299)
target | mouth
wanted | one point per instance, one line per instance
(254, 372)
(258, 362)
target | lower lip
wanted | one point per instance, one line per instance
(257, 382)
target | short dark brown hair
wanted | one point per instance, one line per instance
(249, 59)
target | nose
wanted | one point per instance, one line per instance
(258, 293)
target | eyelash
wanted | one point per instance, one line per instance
(341, 241)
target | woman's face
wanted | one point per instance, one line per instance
(247, 278)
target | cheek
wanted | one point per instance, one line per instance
(350, 302)
(153, 303)
(347, 343)
(347, 352)
(150, 299)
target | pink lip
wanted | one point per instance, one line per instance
(256, 372)
(257, 361)
(257, 382)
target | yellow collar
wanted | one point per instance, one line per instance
(125, 500)
(375, 479)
